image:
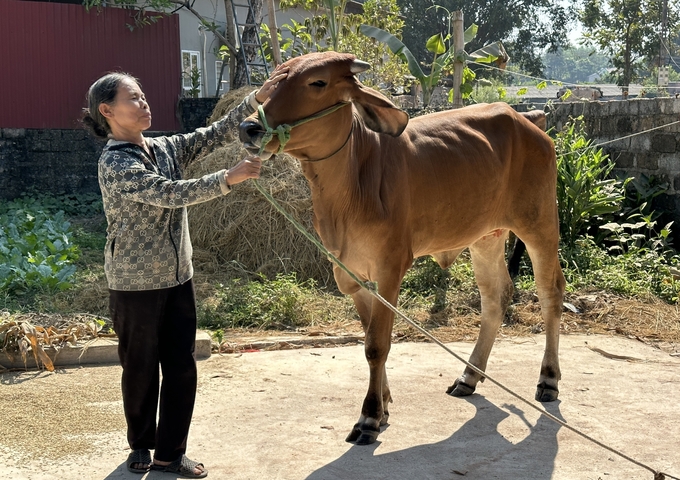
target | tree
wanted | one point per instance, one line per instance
(329, 27)
(248, 40)
(386, 72)
(142, 18)
(525, 28)
(444, 58)
(630, 31)
(574, 65)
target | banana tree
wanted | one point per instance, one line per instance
(442, 55)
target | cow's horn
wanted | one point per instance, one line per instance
(359, 66)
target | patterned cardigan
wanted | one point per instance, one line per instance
(147, 240)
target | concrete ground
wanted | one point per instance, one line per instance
(285, 415)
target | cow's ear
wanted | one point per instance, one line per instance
(379, 114)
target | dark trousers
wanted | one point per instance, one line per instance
(157, 327)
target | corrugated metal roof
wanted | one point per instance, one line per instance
(51, 53)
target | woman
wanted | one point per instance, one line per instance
(148, 259)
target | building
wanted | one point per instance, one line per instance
(53, 51)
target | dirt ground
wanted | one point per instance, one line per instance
(284, 414)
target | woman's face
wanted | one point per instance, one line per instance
(129, 111)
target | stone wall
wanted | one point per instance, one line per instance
(194, 112)
(629, 133)
(51, 161)
(65, 161)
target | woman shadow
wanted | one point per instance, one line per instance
(477, 450)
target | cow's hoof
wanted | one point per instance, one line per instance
(367, 437)
(354, 434)
(546, 393)
(362, 437)
(460, 389)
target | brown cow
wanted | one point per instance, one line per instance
(386, 190)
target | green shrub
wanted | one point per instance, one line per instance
(637, 272)
(73, 205)
(585, 193)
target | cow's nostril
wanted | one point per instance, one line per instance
(249, 130)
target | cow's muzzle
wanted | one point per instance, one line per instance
(251, 134)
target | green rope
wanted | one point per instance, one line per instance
(283, 130)
(372, 288)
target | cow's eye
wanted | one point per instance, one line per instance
(318, 83)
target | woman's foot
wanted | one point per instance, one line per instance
(139, 461)
(183, 466)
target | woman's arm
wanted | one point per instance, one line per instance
(204, 140)
(122, 175)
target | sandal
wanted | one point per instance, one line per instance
(182, 467)
(136, 457)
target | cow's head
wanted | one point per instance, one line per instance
(313, 100)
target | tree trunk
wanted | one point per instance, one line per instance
(230, 33)
(249, 36)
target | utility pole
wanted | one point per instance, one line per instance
(663, 69)
(458, 65)
(662, 35)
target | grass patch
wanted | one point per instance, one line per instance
(283, 303)
(637, 275)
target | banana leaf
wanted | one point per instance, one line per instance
(397, 47)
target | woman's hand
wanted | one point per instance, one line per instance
(279, 73)
(247, 168)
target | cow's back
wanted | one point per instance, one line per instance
(472, 168)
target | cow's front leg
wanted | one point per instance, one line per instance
(377, 321)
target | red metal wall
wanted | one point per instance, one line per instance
(50, 53)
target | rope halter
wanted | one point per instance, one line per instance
(283, 130)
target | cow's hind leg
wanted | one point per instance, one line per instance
(550, 285)
(377, 321)
(495, 288)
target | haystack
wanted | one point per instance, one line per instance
(242, 230)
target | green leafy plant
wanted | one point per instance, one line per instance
(36, 251)
(194, 77)
(73, 205)
(387, 73)
(637, 272)
(437, 44)
(585, 193)
(298, 40)
(326, 28)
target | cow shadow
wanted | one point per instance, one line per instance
(476, 450)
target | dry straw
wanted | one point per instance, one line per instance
(242, 231)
